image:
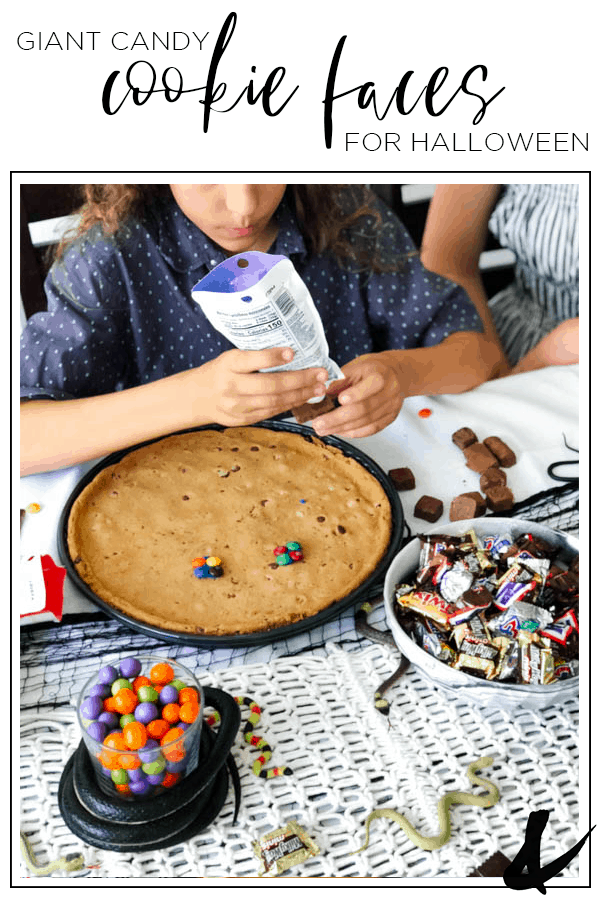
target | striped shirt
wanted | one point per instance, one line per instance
(540, 224)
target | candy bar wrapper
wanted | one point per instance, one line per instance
(434, 642)
(536, 661)
(281, 849)
(561, 629)
(517, 583)
(454, 581)
(258, 301)
(520, 616)
(428, 604)
(497, 544)
(535, 564)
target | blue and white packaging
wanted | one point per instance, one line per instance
(258, 300)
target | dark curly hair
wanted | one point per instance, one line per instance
(341, 219)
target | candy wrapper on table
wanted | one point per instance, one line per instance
(41, 590)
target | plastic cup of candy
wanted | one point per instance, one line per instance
(141, 721)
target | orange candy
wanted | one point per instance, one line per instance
(125, 701)
(110, 759)
(109, 704)
(188, 693)
(176, 752)
(129, 761)
(134, 734)
(170, 713)
(188, 711)
(424, 413)
(170, 779)
(123, 788)
(199, 561)
(162, 673)
(140, 681)
(115, 741)
(157, 728)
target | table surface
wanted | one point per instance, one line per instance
(347, 758)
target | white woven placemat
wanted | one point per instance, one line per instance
(347, 760)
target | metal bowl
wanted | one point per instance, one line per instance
(455, 682)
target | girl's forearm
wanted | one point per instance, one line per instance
(58, 433)
(461, 362)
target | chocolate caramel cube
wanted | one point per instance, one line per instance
(478, 457)
(501, 451)
(464, 437)
(428, 508)
(499, 498)
(402, 479)
(493, 475)
(309, 411)
(467, 506)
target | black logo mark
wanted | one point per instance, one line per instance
(529, 855)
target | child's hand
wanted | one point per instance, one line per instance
(370, 397)
(232, 391)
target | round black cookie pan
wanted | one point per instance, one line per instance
(210, 641)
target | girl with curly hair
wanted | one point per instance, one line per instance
(124, 354)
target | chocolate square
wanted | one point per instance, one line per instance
(501, 451)
(428, 508)
(479, 458)
(464, 437)
(467, 506)
(499, 498)
(402, 479)
(493, 475)
(309, 411)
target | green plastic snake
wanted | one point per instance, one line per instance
(72, 862)
(255, 740)
(444, 804)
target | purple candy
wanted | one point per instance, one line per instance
(135, 775)
(146, 712)
(148, 753)
(110, 719)
(155, 779)
(183, 725)
(169, 694)
(105, 771)
(139, 787)
(107, 675)
(97, 731)
(100, 690)
(91, 707)
(130, 667)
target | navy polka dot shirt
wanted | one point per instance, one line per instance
(120, 312)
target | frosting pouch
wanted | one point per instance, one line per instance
(258, 301)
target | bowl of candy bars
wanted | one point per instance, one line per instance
(488, 609)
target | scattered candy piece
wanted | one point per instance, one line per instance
(288, 553)
(33, 507)
(284, 848)
(424, 413)
(207, 567)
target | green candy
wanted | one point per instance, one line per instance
(293, 545)
(284, 559)
(119, 776)
(178, 683)
(155, 767)
(147, 694)
(119, 684)
(124, 720)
